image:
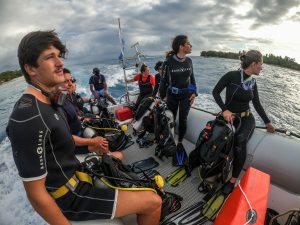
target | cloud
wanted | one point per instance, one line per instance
(90, 29)
(270, 11)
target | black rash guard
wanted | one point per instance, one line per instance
(97, 81)
(157, 82)
(177, 73)
(237, 98)
(41, 142)
(72, 118)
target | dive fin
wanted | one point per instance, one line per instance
(180, 157)
(189, 216)
(215, 203)
(177, 176)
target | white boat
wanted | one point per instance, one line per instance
(275, 154)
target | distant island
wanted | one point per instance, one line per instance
(9, 75)
(285, 62)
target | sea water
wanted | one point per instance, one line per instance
(279, 92)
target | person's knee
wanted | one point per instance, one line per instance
(152, 201)
(118, 155)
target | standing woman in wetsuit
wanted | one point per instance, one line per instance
(178, 82)
(241, 88)
(146, 83)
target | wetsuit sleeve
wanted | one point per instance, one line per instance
(222, 83)
(192, 79)
(258, 107)
(103, 78)
(164, 82)
(27, 133)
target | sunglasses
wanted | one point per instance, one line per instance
(73, 80)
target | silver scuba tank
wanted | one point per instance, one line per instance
(89, 132)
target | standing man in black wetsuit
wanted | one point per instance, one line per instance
(158, 68)
(98, 86)
(178, 82)
(241, 88)
(44, 154)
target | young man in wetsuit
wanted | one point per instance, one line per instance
(178, 82)
(241, 88)
(98, 86)
(83, 145)
(44, 154)
(146, 83)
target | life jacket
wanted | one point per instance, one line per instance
(145, 87)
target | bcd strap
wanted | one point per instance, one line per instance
(72, 184)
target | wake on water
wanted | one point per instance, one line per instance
(279, 93)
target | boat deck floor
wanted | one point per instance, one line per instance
(188, 189)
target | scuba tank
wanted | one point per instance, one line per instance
(138, 123)
(171, 122)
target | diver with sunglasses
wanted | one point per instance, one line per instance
(241, 88)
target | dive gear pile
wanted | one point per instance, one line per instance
(114, 174)
(162, 128)
(214, 152)
(116, 137)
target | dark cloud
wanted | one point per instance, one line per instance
(270, 11)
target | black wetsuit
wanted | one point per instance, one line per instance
(157, 82)
(237, 101)
(74, 123)
(146, 90)
(178, 73)
(43, 147)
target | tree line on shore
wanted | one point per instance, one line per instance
(9, 75)
(285, 62)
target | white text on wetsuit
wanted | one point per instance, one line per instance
(40, 150)
(180, 70)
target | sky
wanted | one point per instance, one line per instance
(89, 28)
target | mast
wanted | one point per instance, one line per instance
(123, 60)
(137, 57)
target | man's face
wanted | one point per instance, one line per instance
(49, 71)
(68, 83)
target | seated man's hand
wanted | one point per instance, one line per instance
(101, 144)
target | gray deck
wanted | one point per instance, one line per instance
(187, 189)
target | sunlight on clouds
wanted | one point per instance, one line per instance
(243, 8)
(145, 4)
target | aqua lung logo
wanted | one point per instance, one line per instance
(179, 70)
(56, 116)
(40, 149)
